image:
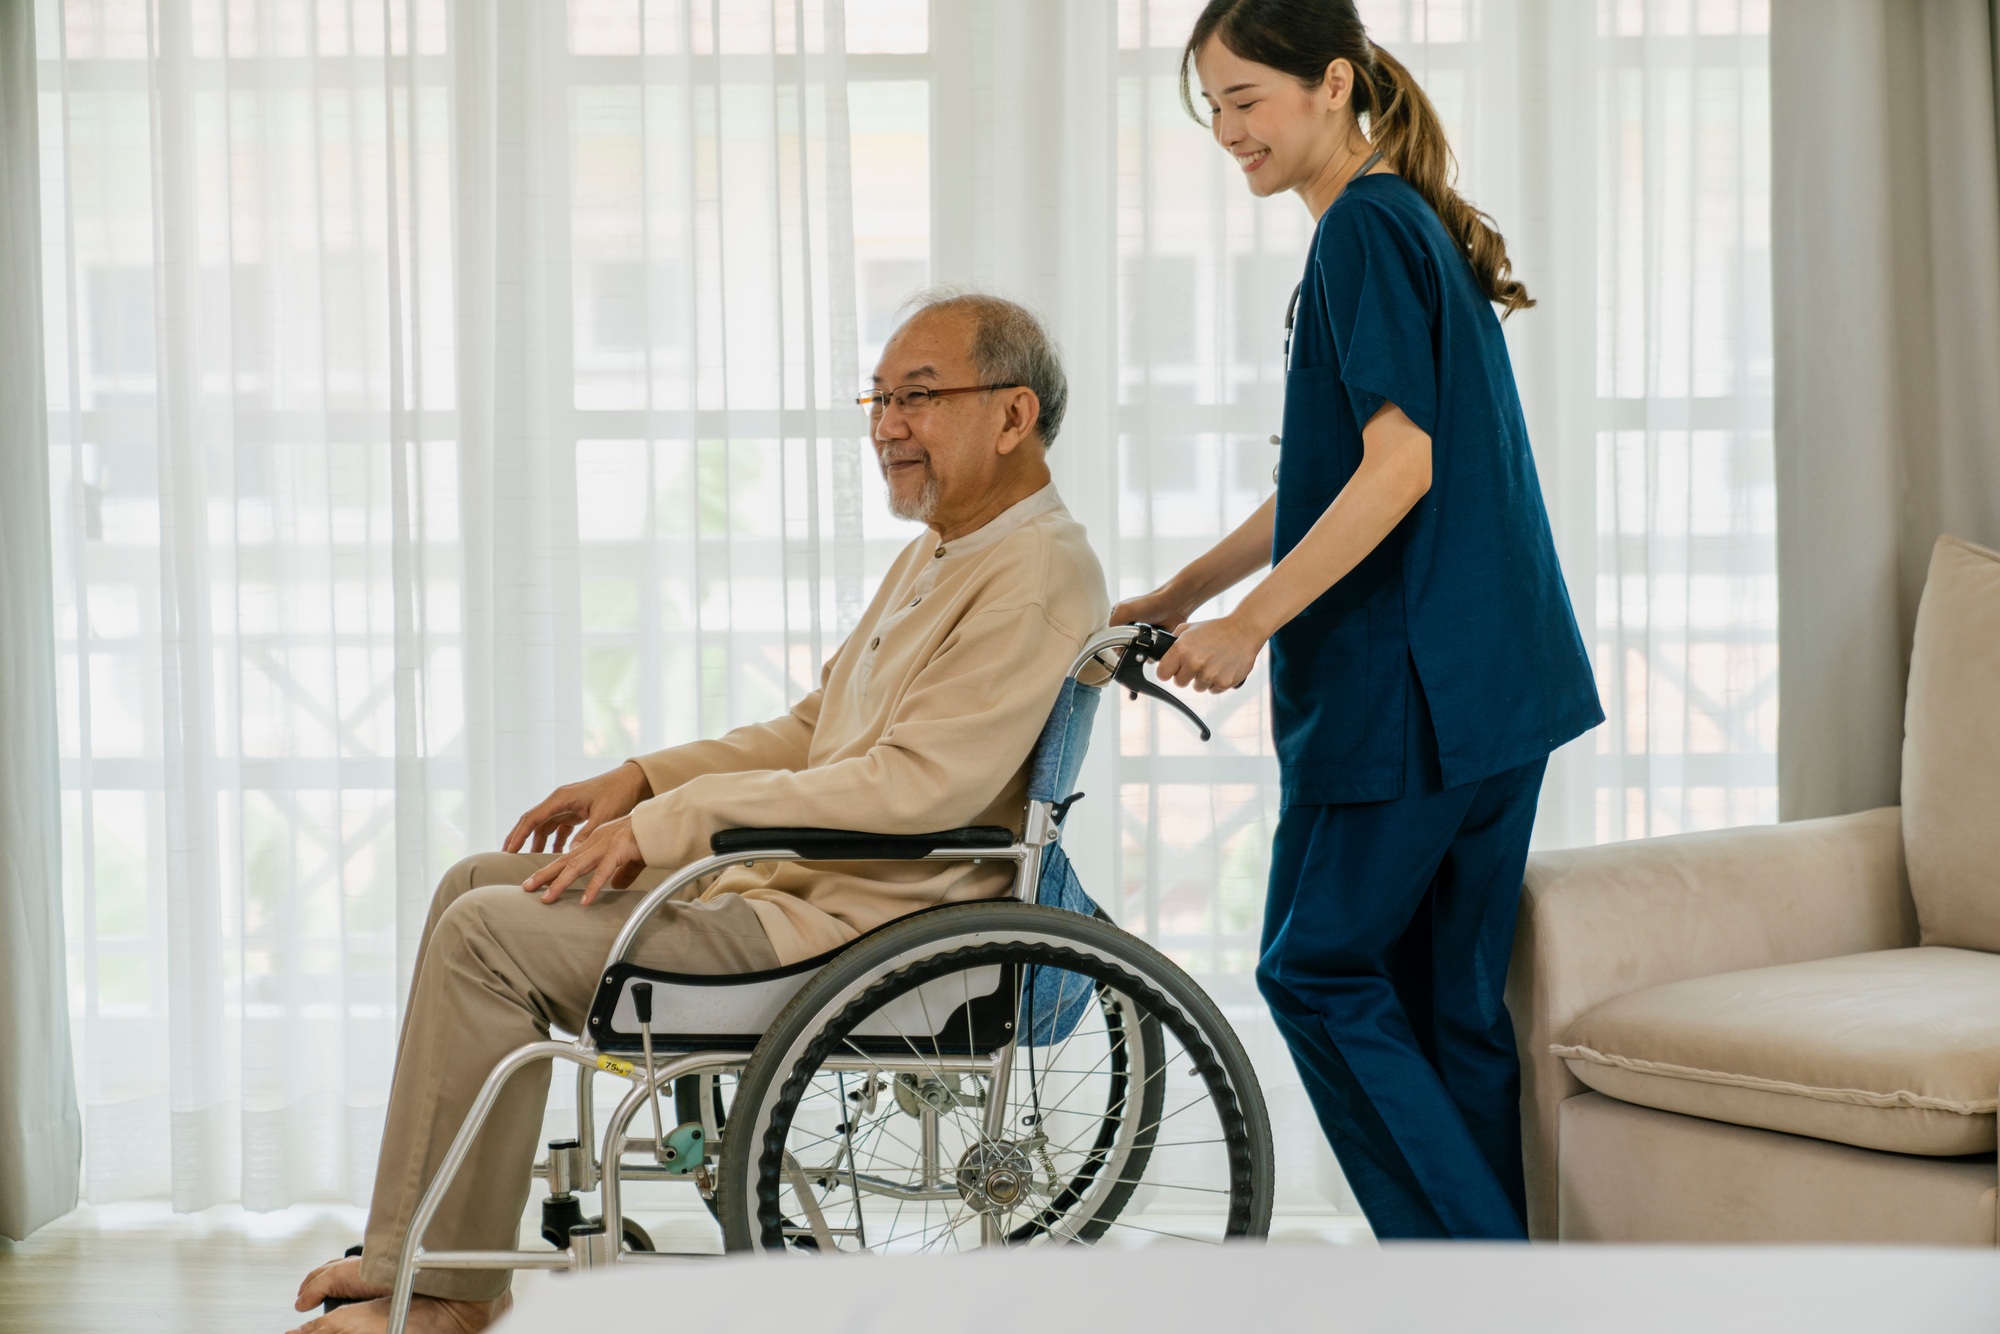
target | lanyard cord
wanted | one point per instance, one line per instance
(1292, 309)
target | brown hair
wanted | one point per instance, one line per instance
(1301, 38)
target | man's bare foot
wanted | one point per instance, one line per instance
(335, 1278)
(428, 1315)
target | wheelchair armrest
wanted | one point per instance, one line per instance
(844, 845)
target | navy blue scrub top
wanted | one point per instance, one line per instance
(1464, 598)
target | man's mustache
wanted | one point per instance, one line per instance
(886, 457)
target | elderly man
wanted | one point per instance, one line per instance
(924, 719)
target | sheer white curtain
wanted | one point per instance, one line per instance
(1623, 147)
(447, 399)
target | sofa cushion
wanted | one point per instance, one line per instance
(1896, 1050)
(1951, 750)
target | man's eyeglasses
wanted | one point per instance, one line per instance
(914, 397)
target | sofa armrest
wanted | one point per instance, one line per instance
(1600, 922)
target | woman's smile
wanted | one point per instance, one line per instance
(1252, 160)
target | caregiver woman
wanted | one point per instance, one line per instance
(1424, 657)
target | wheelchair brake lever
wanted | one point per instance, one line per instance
(1152, 645)
(642, 1005)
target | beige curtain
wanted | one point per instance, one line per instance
(1885, 239)
(41, 1137)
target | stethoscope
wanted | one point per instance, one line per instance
(1292, 307)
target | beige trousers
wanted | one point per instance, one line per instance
(495, 969)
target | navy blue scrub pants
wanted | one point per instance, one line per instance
(1386, 938)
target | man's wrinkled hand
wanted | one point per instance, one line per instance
(1159, 607)
(609, 858)
(583, 807)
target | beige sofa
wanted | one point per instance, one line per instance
(1787, 1032)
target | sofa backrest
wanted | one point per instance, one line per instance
(1951, 750)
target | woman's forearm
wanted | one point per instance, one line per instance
(1240, 554)
(1395, 473)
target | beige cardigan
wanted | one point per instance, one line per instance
(924, 720)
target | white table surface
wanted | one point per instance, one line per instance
(1243, 1290)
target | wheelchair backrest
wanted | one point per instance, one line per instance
(1056, 1000)
(1065, 737)
(1059, 750)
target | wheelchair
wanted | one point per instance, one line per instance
(1005, 1072)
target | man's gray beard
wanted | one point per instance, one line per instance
(923, 507)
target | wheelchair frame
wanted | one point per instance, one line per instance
(576, 1168)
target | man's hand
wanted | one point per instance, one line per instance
(609, 856)
(591, 804)
(1162, 606)
(1212, 655)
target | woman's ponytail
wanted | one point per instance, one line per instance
(1405, 127)
(1303, 37)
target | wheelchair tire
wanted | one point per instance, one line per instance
(687, 1100)
(842, 1011)
(687, 1107)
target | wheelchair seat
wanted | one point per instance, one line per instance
(715, 1011)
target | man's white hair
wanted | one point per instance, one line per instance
(1009, 346)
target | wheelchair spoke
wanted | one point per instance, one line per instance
(1186, 1107)
(1117, 1113)
(1058, 1105)
(1160, 1232)
(894, 1219)
(930, 1070)
(1167, 1185)
(937, 1233)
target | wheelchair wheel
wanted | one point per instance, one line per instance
(687, 1100)
(687, 1107)
(890, 1108)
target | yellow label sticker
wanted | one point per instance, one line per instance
(613, 1065)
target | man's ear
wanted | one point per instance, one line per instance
(1023, 410)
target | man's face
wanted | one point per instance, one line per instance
(942, 456)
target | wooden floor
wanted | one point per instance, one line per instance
(120, 1268)
(141, 1267)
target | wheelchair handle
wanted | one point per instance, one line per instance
(1150, 644)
